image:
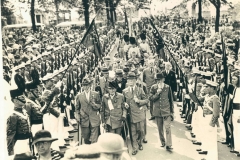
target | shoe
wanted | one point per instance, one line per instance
(238, 155)
(169, 148)
(182, 116)
(144, 141)
(178, 105)
(197, 143)
(198, 150)
(152, 118)
(134, 152)
(203, 152)
(180, 110)
(184, 121)
(229, 145)
(140, 147)
(225, 143)
(232, 151)
(163, 145)
(193, 136)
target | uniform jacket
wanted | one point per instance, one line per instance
(34, 112)
(86, 111)
(170, 79)
(148, 77)
(17, 129)
(113, 117)
(215, 104)
(103, 83)
(137, 113)
(20, 82)
(163, 102)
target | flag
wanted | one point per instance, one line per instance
(157, 36)
(126, 21)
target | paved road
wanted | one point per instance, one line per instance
(183, 149)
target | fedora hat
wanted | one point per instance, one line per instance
(159, 76)
(43, 136)
(131, 75)
(111, 143)
(104, 70)
(86, 81)
(112, 84)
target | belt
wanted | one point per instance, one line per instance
(236, 106)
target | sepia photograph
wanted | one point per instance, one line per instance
(120, 80)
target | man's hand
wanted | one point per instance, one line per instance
(159, 90)
(126, 106)
(136, 99)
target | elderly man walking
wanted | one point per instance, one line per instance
(163, 109)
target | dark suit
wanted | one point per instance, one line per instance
(170, 79)
(20, 82)
(121, 85)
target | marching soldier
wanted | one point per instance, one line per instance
(135, 99)
(88, 104)
(113, 109)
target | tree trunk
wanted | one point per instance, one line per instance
(111, 12)
(107, 10)
(200, 11)
(217, 19)
(34, 28)
(86, 12)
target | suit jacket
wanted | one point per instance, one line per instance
(137, 113)
(163, 102)
(170, 79)
(113, 117)
(148, 77)
(86, 111)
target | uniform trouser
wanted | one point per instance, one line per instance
(186, 106)
(151, 102)
(179, 94)
(90, 134)
(190, 113)
(137, 134)
(236, 129)
(166, 122)
(116, 130)
(209, 141)
(227, 132)
(145, 125)
(195, 122)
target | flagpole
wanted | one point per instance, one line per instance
(85, 35)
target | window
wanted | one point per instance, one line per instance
(38, 18)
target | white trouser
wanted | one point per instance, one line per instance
(209, 141)
(200, 129)
(195, 121)
(21, 146)
(35, 128)
(236, 129)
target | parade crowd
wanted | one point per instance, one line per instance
(59, 89)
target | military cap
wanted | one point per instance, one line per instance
(112, 84)
(107, 58)
(132, 40)
(131, 75)
(47, 77)
(126, 38)
(15, 93)
(219, 42)
(143, 36)
(104, 70)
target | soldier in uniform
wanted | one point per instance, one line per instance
(18, 127)
(88, 104)
(113, 109)
(135, 99)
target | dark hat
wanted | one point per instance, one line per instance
(15, 93)
(104, 70)
(131, 75)
(159, 76)
(132, 40)
(126, 69)
(119, 72)
(126, 38)
(112, 84)
(43, 136)
(143, 36)
(86, 81)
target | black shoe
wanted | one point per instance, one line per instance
(144, 141)
(229, 145)
(203, 152)
(232, 151)
(193, 136)
(197, 143)
(198, 150)
(182, 116)
(152, 118)
(184, 121)
(169, 148)
(178, 105)
(238, 155)
(225, 143)
(163, 145)
(134, 152)
(140, 147)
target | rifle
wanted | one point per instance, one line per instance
(58, 62)
(55, 62)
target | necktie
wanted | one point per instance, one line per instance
(151, 70)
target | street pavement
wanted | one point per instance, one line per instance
(183, 149)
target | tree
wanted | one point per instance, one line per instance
(7, 10)
(217, 5)
(86, 6)
(34, 28)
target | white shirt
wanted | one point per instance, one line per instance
(236, 98)
(87, 95)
